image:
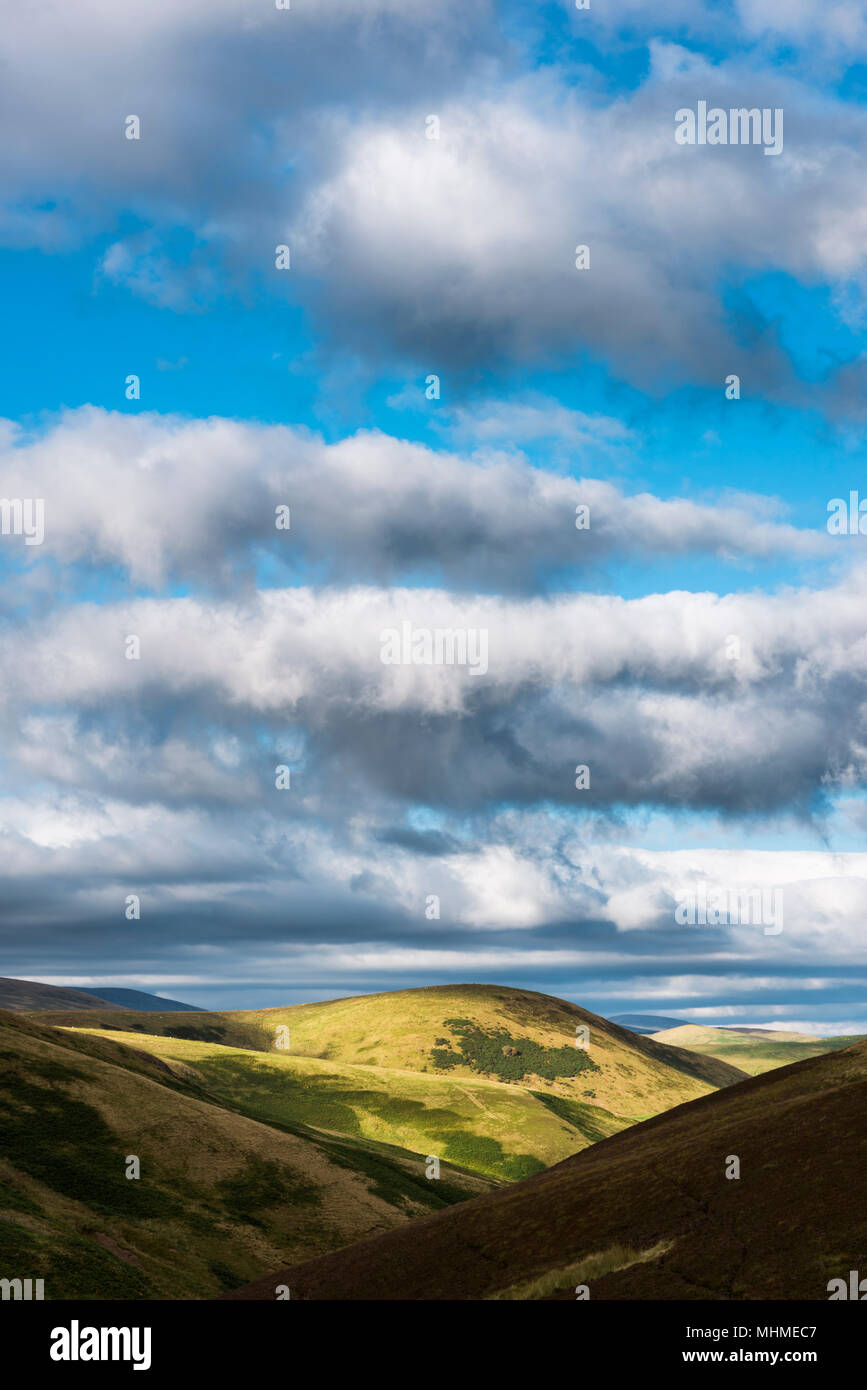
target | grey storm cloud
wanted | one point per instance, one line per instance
(739, 703)
(223, 91)
(535, 896)
(163, 498)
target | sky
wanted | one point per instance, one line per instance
(320, 265)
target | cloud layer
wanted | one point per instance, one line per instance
(309, 127)
(194, 706)
(164, 498)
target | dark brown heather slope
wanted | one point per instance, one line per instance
(795, 1219)
(721, 1074)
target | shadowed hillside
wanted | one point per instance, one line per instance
(220, 1195)
(650, 1213)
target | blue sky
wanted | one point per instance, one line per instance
(700, 646)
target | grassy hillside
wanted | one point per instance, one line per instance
(492, 1128)
(464, 1032)
(754, 1050)
(221, 1196)
(649, 1213)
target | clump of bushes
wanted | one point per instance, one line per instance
(495, 1052)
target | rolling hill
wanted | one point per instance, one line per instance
(646, 1023)
(220, 1196)
(649, 1213)
(753, 1050)
(142, 1001)
(26, 996)
(463, 1032)
(502, 1131)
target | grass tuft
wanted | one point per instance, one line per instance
(555, 1281)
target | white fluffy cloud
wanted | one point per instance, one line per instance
(837, 24)
(309, 124)
(163, 498)
(224, 91)
(740, 703)
(465, 246)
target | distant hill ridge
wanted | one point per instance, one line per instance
(27, 996)
(646, 1023)
(754, 1050)
(146, 1003)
